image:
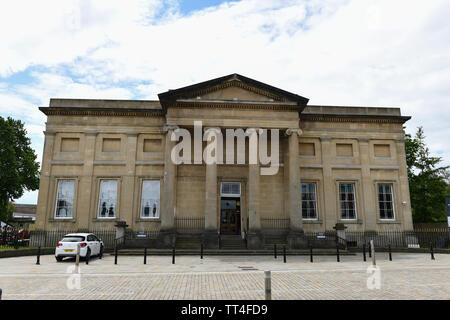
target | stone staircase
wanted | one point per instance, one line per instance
(232, 242)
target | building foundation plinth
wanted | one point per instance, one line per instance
(211, 240)
(297, 240)
(166, 239)
(255, 240)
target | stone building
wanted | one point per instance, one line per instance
(106, 161)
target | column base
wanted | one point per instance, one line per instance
(211, 240)
(166, 239)
(255, 240)
(297, 240)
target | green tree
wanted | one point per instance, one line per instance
(19, 170)
(428, 182)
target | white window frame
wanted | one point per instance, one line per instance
(315, 201)
(141, 208)
(57, 199)
(354, 201)
(393, 201)
(99, 200)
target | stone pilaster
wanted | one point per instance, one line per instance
(405, 202)
(168, 210)
(128, 180)
(369, 210)
(86, 202)
(329, 201)
(43, 209)
(295, 237)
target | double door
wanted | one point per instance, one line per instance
(230, 216)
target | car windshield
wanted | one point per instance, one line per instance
(73, 239)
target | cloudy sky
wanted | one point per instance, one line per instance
(335, 52)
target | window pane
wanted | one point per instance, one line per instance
(347, 199)
(385, 201)
(107, 199)
(64, 199)
(150, 199)
(309, 202)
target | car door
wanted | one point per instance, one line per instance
(92, 244)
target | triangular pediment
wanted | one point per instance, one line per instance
(233, 87)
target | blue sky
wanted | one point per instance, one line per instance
(335, 52)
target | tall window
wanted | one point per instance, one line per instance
(309, 201)
(64, 199)
(150, 199)
(347, 200)
(107, 199)
(385, 201)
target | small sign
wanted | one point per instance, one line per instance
(141, 234)
(321, 235)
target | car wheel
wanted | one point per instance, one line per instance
(59, 259)
(100, 255)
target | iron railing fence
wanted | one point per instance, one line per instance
(14, 237)
(50, 238)
(190, 225)
(141, 234)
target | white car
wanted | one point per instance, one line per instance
(89, 243)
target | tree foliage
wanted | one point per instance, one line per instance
(428, 182)
(19, 170)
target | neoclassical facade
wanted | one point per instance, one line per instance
(106, 161)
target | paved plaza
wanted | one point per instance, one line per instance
(409, 276)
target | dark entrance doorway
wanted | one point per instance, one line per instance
(230, 216)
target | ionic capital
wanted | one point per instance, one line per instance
(292, 131)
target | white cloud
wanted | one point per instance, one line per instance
(342, 52)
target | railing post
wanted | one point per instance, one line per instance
(275, 250)
(310, 252)
(201, 251)
(337, 253)
(173, 255)
(268, 285)
(364, 252)
(1, 291)
(390, 252)
(431, 251)
(284, 254)
(145, 255)
(370, 250)
(115, 253)
(38, 259)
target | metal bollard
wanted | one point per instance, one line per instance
(115, 255)
(364, 252)
(77, 258)
(284, 254)
(431, 251)
(145, 255)
(88, 256)
(310, 253)
(338, 258)
(38, 258)
(390, 252)
(1, 294)
(201, 251)
(372, 250)
(268, 285)
(275, 251)
(173, 255)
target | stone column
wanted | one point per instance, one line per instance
(254, 235)
(210, 236)
(369, 209)
(167, 234)
(87, 206)
(404, 199)
(43, 209)
(296, 234)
